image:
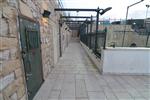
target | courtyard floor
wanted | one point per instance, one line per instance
(76, 78)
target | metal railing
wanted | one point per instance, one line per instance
(136, 34)
(111, 35)
(88, 38)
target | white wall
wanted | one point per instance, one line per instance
(126, 60)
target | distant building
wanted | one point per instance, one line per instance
(138, 25)
(116, 23)
(105, 22)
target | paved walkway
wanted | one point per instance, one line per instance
(76, 78)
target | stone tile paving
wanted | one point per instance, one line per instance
(76, 78)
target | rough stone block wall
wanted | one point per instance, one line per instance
(12, 76)
(12, 86)
(65, 30)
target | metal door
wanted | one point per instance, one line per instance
(31, 54)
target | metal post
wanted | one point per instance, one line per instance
(147, 39)
(147, 10)
(60, 24)
(87, 28)
(148, 33)
(97, 25)
(105, 37)
(125, 26)
(91, 31)
(87, 34)
(91, 24)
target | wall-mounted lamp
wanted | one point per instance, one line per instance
(46, 13)
(105, 10)
(66, 28)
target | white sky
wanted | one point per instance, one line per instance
(118, 8)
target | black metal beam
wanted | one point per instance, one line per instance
(73, 9)
(74, 27)
(72, 23)
(75, 17)
(75, 21)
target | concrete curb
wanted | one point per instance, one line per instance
(96, 61)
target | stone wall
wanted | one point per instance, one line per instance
(12, 83)
(65, 36)
(12, 78)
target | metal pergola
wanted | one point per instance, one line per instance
(75, 24)
(98, 11)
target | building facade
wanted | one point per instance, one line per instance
(30, 45)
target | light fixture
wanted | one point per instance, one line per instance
(105, 10)
(147, 10)
(46, 13)
(66, 28)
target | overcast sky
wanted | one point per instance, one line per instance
(118, 8)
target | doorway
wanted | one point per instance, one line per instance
(31, 54)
